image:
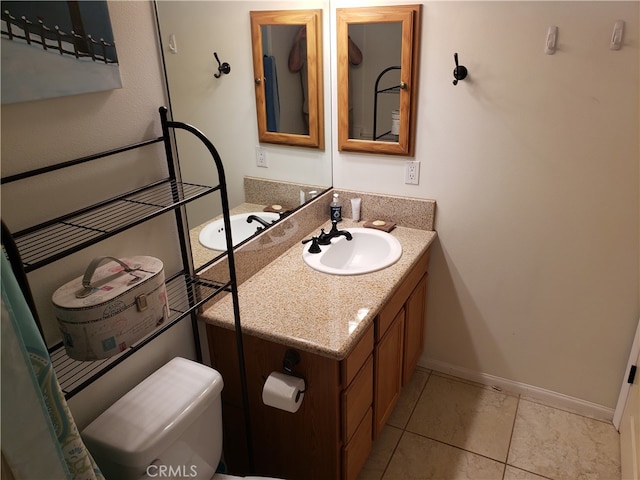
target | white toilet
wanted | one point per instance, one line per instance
(168, 426)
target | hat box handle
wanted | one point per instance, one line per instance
(91, 269)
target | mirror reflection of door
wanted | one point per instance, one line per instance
(290, 42)
(373, 85)
(284, 49)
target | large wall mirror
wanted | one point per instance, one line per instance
(377, 62)
(224, 107)
(287, 65)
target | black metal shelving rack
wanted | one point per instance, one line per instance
(377, 91)
(57, 238)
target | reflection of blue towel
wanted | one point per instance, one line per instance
(271, 96)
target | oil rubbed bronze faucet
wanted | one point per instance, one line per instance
(325, 238)
(262, 222)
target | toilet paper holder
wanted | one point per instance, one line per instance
(291, 359)
(285, 390)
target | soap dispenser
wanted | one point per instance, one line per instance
(335, 209)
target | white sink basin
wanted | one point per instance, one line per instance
(213, 236)
(370, 250)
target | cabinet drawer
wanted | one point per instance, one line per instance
(359, 354)
(356, 452)
(357, 399)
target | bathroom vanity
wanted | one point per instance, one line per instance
(359, 339)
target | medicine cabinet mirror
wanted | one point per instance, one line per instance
(287, 65)
(377, 68)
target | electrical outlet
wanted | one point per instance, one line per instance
(412, 172)
(261, 157)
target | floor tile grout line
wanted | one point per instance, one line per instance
(415, 404)
(404, 428)
(384, 471)
(519, 406)
(475, 385)
(504, 470)
(504, 464)
(529, 471)
(456, 447)
(513, 428)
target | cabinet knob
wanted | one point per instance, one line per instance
(258, 80)
(403, 85)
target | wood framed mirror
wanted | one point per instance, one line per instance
(377, 96)
(287, 65)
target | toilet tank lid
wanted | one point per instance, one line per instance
(152, 416)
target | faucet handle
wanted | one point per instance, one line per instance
(324, 238)
(315, 247)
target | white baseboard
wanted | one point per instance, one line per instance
(527, 392)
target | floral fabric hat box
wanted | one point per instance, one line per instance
(111, 306)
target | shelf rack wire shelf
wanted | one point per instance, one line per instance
(52, 240)
(377, 90)
(74, 375)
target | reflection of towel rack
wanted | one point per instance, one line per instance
(394, 89)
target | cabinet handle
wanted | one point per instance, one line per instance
(403, 85)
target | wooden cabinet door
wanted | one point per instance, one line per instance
(414, 329)
(388, 372)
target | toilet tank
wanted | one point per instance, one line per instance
(168, 426)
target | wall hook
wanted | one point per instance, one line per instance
(616, 36)
(222, 68)
(460, 72)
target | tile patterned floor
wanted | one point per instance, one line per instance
(446, 428)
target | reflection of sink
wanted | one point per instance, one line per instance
(370, 250)
(213, 236)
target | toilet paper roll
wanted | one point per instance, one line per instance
(284, 392)
(395, 122)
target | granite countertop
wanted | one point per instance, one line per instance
(288, 302)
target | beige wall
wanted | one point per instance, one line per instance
(534, 163)
(40, 133)
(533, 160)
(224, 108)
